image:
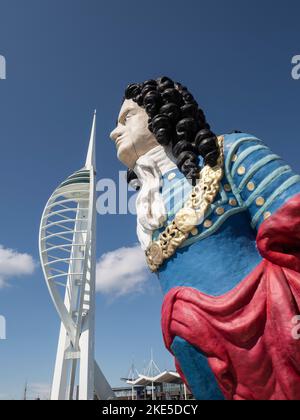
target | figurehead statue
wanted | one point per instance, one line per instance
(218, 217)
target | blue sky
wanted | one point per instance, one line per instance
(64, 59)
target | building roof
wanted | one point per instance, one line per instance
(163, 377)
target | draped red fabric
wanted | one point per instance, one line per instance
(249, 334)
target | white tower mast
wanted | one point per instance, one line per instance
(67, 243)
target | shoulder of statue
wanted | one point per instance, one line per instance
(237, 146)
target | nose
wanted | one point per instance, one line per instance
(115, 133)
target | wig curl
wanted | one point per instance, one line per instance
(176, 120)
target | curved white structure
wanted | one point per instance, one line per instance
(67, 250)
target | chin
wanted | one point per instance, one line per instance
(123, 156)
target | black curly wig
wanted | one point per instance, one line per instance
(176, 120)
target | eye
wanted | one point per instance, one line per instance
(127, 116)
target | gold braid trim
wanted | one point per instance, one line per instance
(191, 214)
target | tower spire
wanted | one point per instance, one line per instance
(91, 157)
(75, 363)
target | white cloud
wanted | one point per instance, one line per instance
(14, 264)
(38, 390)
(122, 271)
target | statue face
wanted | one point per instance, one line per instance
(132, 137)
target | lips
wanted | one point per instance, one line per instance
(118, 140)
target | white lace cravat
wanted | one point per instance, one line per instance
(150, 208)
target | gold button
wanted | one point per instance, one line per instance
(267, 214)
(194, 231)
(251, 186)
(233, 202)
(227, 187)
(241, 170)
(260, 201)
(234, 158)
(208, 223)
(220, 210)
(171, 176)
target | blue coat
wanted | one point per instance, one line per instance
(222, 252)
